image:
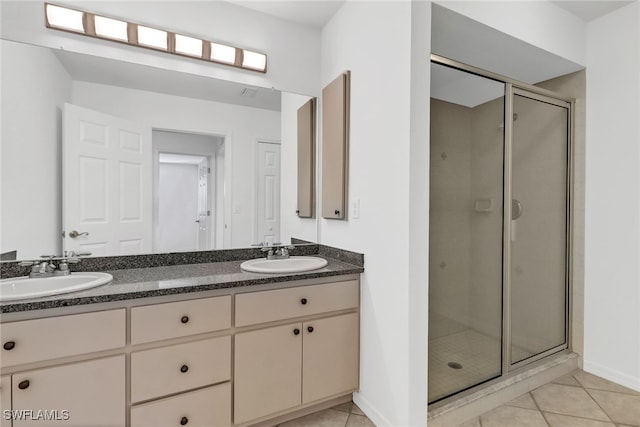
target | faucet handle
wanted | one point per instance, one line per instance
(27, 263)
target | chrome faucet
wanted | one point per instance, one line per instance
(277, 252)
(48, 267)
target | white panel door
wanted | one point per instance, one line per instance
(107, 170)
(268, 207)
(203, 204)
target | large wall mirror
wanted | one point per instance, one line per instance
(116, 158)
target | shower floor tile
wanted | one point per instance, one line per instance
(477, 356)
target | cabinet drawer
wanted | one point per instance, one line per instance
(44, 339)
(181, 367)
(268, 306)
(206, 407)
(177, 319)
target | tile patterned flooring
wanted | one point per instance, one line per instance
(579, 399)
(345, 415)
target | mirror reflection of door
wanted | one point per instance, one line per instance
(268, 194)
(106, 184)
(182, 217)
(188, 191)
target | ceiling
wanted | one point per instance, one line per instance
(96, 69)
(590, 10)
(313, 13)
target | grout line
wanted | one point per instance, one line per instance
(545, 419)
(610, 391)
(579, 417)
(601, 408)
(347, 420)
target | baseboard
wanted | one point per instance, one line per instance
(371, 412)
(612, 375)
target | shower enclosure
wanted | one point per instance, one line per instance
(499, 226)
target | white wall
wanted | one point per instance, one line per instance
(292, 49)
(539, 23)
(241, 126)
(384, 137)
(290, 224)
(34, 84)
(612, 240)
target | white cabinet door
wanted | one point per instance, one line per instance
(330, 357)
(5, 400)
(84, 394)
(268, 371)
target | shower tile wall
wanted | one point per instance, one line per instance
(465, 244)
(450, 219)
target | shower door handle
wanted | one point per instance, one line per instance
(516, 209)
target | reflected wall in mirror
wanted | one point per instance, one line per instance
(185, 177)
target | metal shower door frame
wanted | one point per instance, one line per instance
(512, 88)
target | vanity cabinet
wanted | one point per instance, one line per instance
(222, 360)
(93, 393)
(297, 363)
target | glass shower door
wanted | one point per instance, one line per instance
(539, 218)
(465, 237)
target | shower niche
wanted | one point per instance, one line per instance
(499, 203)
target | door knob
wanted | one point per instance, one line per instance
(73, 234)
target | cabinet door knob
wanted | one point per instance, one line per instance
(296, 331)
(23, 385)
(310, 329)
(297, 211)
(184, 421)
(303, 301)
(184, 368)
(185, 319)
(9, 345)
(337, 212)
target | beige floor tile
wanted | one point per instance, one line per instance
(622, 408)
(326, 418)
(359, 421)
(472, 423)
(345, 407)
(591, 381)
(556, 420)
(356, 410)
(525, 401)
(567, 380)
(509, 416)
(567, 400)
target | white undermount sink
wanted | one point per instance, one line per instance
(25, 287)
(294, 264)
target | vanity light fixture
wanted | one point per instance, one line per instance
(152, 38)
(188, 45)
(110, 28)
(113, 29)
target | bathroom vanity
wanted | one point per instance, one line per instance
(200, 344)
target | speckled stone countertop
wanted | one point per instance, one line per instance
(146, 282)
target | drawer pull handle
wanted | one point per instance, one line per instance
(184, 421)
(23, 385)
(310, 329)
(185, 319)
(9, 345)
(184, 368)
(296, 331)
(303, 301)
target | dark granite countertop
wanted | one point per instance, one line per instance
(147, 282)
